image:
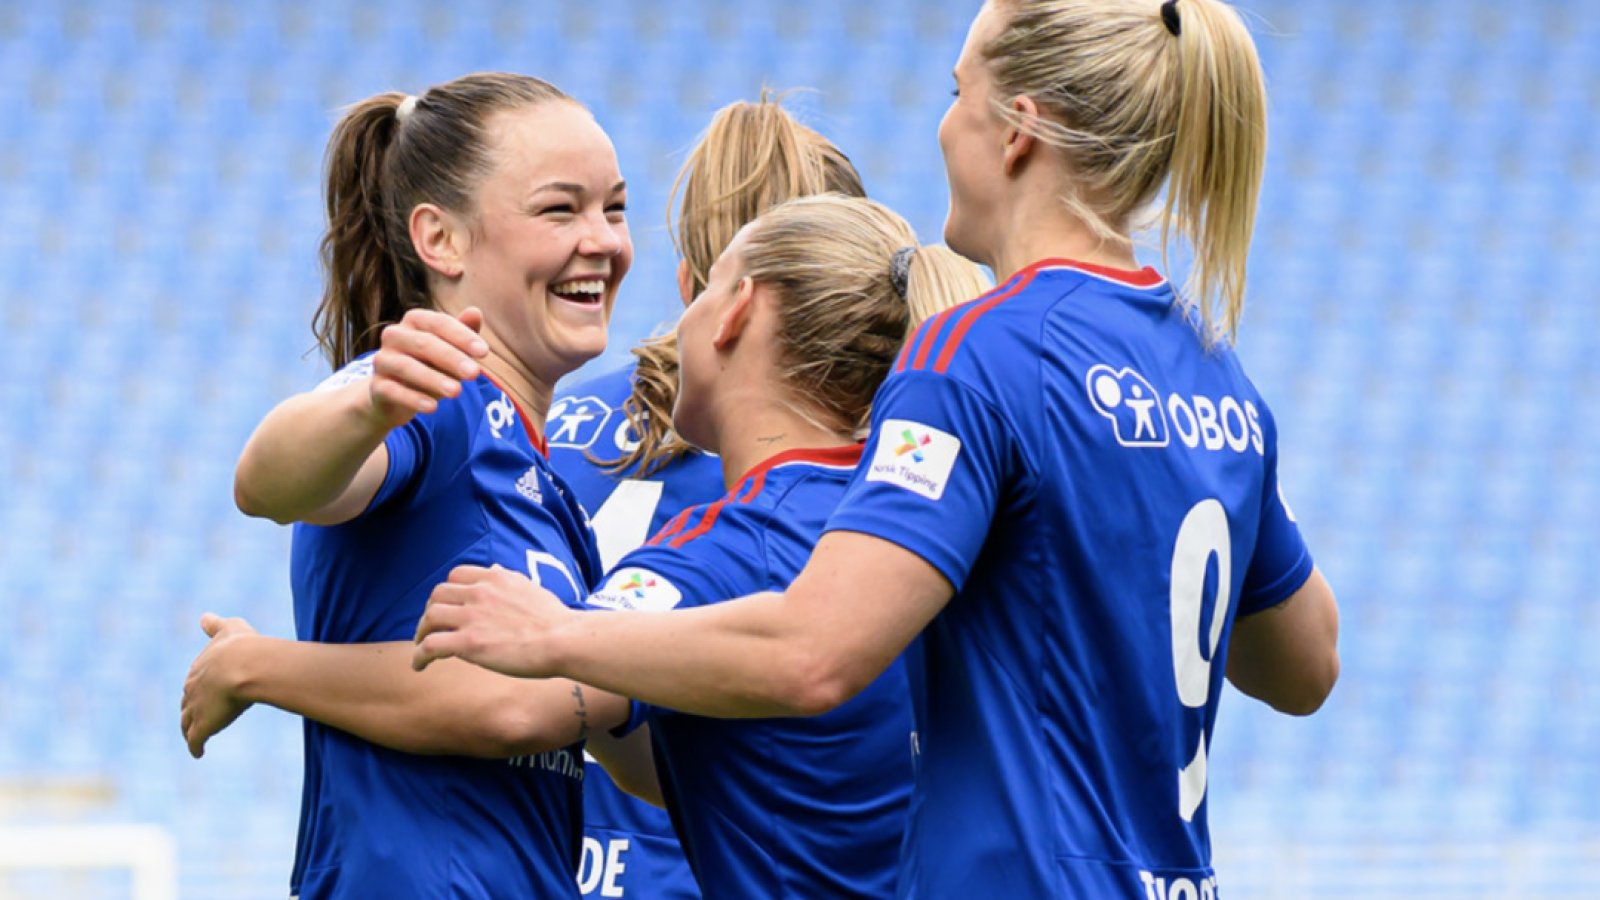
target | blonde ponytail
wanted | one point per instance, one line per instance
(1141, 94)
(940, 278)
(752, 157)
(1218, 155)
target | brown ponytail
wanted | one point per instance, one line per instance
(752, 157)
(378, 168)
(362, 291)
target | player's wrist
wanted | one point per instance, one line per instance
(559, 649)
(247, 666)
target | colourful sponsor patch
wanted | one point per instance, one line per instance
(632, 588)
(914, 456)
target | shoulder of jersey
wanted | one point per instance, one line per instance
(937, 344)
(751, 501)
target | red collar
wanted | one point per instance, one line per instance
(1146, 277)
(843, 457)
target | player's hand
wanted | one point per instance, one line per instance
(493, 617)
(209, 700)
(422, 359)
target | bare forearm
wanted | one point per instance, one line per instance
(730, 660)
(631, 764)
(307, 453)
(371, 691)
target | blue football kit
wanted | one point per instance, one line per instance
(629, 849)
(1100, 488)
(467, 484)
(772, 808)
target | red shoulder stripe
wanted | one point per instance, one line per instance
(672, 527)
(706, 521)
(973, 313)
(931, 336)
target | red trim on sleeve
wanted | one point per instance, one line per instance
(708, 520)
(933, 332)
(673, 526)
(973, 313)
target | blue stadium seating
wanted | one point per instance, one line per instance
(1422, 317)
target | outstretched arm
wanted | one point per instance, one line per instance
(856, 605)
(1288, 655)
(319, 457)
(371, 691)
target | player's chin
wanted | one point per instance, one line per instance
(577, 344)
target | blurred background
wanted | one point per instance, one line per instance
(1422, 317)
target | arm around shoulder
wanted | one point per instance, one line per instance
(371, 691)
(1287, 656)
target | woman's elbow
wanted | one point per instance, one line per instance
(247, 502)
(1312, 689)
(508, 730)
(250, 500)
(819, 684)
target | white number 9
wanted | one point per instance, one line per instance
(1203, 534)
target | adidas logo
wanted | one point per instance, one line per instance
(528, 485)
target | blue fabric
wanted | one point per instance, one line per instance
(630, 849)
(798, 807)
(465, 484)
(1081, 468)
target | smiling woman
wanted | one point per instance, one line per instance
(476, 239)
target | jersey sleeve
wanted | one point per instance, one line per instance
(1281, 562)
(933, 472)
(407, 445)
(424, 453)
(658, 579)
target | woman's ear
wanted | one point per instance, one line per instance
(685, 282)
(1018, 142)
(737, 316)
(440, 239)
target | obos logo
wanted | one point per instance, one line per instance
(914, 456)
(1142, 416)
(575, 422)
(1133, 406)
(635, 588)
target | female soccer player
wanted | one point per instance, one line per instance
(485, 217)
(782, 351)
(611, 437)
(1070, 490)
(753, 156)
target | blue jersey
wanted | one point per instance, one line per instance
(1101, 491)
(771, 808)
(629, 849)
(466, 484)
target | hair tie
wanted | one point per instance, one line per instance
(900, 269)
(406, 108)
(1169, 17)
